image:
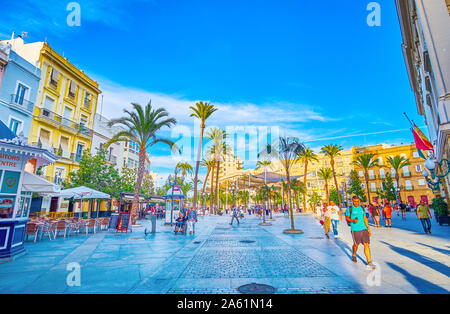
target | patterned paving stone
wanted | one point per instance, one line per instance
(253, 263)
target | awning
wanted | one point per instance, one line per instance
(34, 183)
(81, 193)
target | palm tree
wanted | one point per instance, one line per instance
(333, 151)
(366, 161)
(397, 163)
(142, 126)
(201, 111)
(184, 167)
(299, 188)
(306, 156)
(287, 149)
(216, 135)
(325, 174)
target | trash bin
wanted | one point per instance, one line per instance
(153, 220)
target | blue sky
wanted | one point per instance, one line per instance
(313, 68)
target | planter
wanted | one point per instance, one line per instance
(220, 214)
(443, 220)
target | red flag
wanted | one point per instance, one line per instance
(421, 140)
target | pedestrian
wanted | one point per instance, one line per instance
(424, 215)
(192, 220)
(403, 210)
(388, 215)
(326, 220)
(234, 215)
(336, 216)
(376, 216)
(179, 222)
(359, 226)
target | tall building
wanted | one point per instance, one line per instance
(412, 185)
(425, 28)
(19, 83)
(65, 106)
(102, 133)
(230, 165)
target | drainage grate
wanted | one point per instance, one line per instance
(256, 288)
(247, 241)
(197, 242)
(316, 237)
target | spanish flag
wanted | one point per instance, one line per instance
(421, 140)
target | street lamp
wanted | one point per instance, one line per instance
(233, 188)
(432, 176)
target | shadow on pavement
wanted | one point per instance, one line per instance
(443, 251)
(437, 266)
(422, 285)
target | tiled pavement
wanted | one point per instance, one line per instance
(220, 258)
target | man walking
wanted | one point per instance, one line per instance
(359, 226)
(336, 216)
(235, 215)
(424, 215)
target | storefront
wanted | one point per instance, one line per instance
(14, 200)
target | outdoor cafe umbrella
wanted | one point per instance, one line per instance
(81, 193)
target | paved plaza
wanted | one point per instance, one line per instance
(220, 258)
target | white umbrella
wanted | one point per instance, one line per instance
(82, 193)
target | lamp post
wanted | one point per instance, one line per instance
(233, 188)
(435, 174)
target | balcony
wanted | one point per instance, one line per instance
(70, 125)
(19, 101)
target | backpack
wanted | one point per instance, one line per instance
(349, 223)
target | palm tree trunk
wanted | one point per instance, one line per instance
(211, 197)
(304, 180)
(367, 186)
(397, 178)
(296, 200)
(140, 175)
(197, 166)
(289, 197)
(326, 192)
(217, 186)
(335, 180)
(204, 186)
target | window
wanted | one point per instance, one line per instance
(79, 152)
(373, 187)
(393, 172)
(15, 126)
(406, 171)
(415, 154)
(380, 161)
(421, 182)
(419, 168)
(87, 100)
(83, 120)
(72, 89)
(382, 174)
(54, 77)
(361, 173)
(371, 174)
(44, 139)
(408, 185)
(21, 94)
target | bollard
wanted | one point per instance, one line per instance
(153, 220)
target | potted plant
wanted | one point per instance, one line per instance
(219, 211)
(440, 208)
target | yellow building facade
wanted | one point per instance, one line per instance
(413, 186)
(63, 116)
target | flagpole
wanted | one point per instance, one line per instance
(412, 124)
